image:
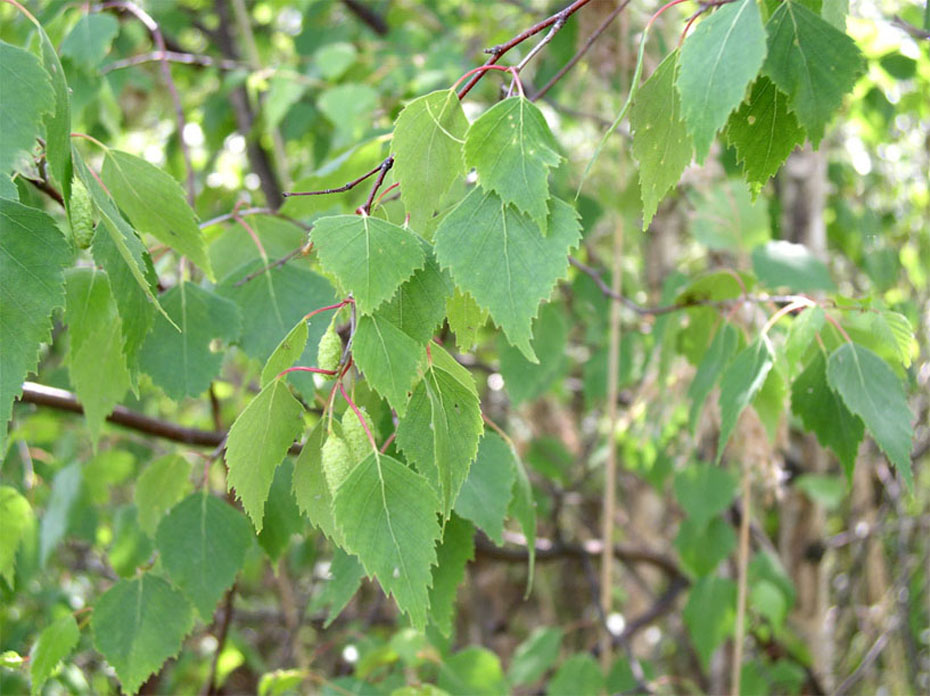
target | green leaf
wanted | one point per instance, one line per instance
(486, 493)
(466, 319)
(709, 614)
(524, 380)
(163, 483)
(388, 517)
(32, 255)
(55, 643)
(452, 555)
(287, 353)
(389, 358)
(511, 147)
(311, 490)
(283, 92)
(182, 363)
(579, 675)
(370, 257)
(498, 256)
(702, 548)
(25, 95)
(535, 655)
(769, 403)
(872, 391)
(887, 333)
(812, 62)
(18, 522)
(661, 143)
(440, 432)
(420, 303)
(428, 138)
(139, 624)
(96, 361)
(804, 329)
(88, 42)
(271, 303)
(782, 264)
(727, 218)
(154, 202)
(57, 122)
(718, 62)
(202, 543)
(282, 517)
(823, 413)
(740, 384)
(131, 548)
(717, 357)
(345, 577)
(66, 510)
(704, 491)
(523, 508)
(764, 132)
(472, 672)
(258, 441)
(829, 491)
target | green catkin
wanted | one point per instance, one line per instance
(81, 214)
(329, 352)
(354, 434)
(336, 460)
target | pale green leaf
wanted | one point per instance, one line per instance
(420, 303)
(181, 362)
(96, 361)
(26, 94)
(466, 319)
(288, 351)
(63, 510)
(727, 218)
(311, 490)
(783, 264)
(370, 257)
(453, 554)
(872, 391)
(535, 655)
(154, 202)
(804, 329)
(579, 675)
(719, 60)
(709, 614)
(348, 107)
(88, 42)
(829, 491)
(161, 484)
(32, 255)
(138, 625)
(812, 62)
(485, 496)
(285, 90)
(58, 121)
(769, 403)
(18, 521)
(55, 643)
(473, 671)
(661, 143)
(388, 515)
(202, 543)
(345, 577)
(764, 132)
(704, 491)
(428, 138)
(258, 442)
(498, 256)
(718, 355)
(740, 384)
(511, 147)
(702, 548)
(389, 359)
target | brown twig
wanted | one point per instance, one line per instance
(339, 189)
(383, 169)
(371, 18)
(173, 57)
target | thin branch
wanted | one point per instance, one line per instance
(383, 169)
(743, 563)
(371, 18)
(339, 189)
(46, 188)
(910, 29)
(245, 212)
(299, 251)
(173, 57)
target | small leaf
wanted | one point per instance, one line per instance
(704, 491)
(55, 643)
(661, 142)
(829, 491)
(27, 95)
(88, 42)
(466, 319)
(428, 138)
(202, 543)
(498, 256)
(579, 675)
(474, 671)
(523, 508)
(525, 380)
(872, 391)
(370, 257)
(486, 493)
(58, 121)
(345, 577)
(389, 358)
(709, 614)
(702, 548)
(718, 61)
(287, 353)
(535, 655)
(311, 490)
(163, 483)
(282, 519)
(453, 554)
(717, 357)
(388, 517)
(138, 625)
(727, 218)
(258, 442)
(420, 303)
(812, 62)
(154, 202)
(803, 331)
(18, 522)
(511, 147)
(740, 384)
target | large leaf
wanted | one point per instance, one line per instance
(440, 432)
(25, 95)
(32, 255)
(154, 202)
(181, 362)
(202, 543)
(55, 643)
(812, 62)
(740, 384)
(764, 132)
(871, 390)
(370, 257)
(258, 441)
(718, 62)
(498, 256)
(138, 624)
(661, 143)
(485, 495)
(454, 553)
(96, 361)
(428, 138)
(388, 357)
(511, 147)
(388, 515)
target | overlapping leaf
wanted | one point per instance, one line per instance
(26, 94)
(485, 496)
(18, 520)
(454, 553)
(739, 386)
(389, 358)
